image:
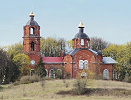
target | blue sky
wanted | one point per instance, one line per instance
(108, 19)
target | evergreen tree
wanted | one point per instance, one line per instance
(9, 72)
(40, 69)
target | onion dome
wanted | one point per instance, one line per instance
(81, 34)
(32, 21)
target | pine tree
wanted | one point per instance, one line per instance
(40, 69)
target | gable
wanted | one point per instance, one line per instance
(74, 51)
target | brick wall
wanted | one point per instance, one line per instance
(68, 64)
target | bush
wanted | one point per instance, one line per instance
(127, 78)
(67, 75)
(80, 86)
(24, 79)
(1, 88)
(65, 83)
(34, 78)
(16, 83)
(29, 79)
(42, 83)
(82, 81)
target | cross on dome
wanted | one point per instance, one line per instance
(31, 14)
(81, 25)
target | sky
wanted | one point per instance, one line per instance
(107, 19)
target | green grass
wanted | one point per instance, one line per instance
(58, 90)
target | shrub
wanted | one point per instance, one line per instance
(59, 74)
(1, 88)
(82, 81)
(16, 83)
(127, 78)
(42, 83)
(34, 78)
(65, 83)
(67, 75)
(29, 79)
(24, 79)
(80, 86)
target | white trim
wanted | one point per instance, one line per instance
(80, 64)
(46, 72)
(51, 75)
(83, 74)
(82, 42)
(85, 64)
(31, 30)
(106, 74)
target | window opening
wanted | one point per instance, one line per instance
(106, 74)
(31, 30)
(51, 73)
(82, 41)
(86, 64)
(32, 72)
(80, 64)
(32, 46)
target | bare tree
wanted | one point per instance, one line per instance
(97, 44)
(52, 47)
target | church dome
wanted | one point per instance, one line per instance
(81, 34)
(32, 21)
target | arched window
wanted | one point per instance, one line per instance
(85, 64)
(51, 74)
(80, 64)
(114, 74)
(82, 41)
(59, 73)
(32, 72)
(32, 46)
(106, 74)
(31, 30)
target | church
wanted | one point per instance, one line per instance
(73, 62)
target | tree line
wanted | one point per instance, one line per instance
(14, 63)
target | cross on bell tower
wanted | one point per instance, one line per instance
(31, 40)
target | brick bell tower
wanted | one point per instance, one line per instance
(81, 39)
(31, 40)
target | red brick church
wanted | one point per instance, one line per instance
(80, 58)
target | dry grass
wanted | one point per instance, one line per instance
(52, 88)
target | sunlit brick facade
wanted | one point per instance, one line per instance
(80, 58)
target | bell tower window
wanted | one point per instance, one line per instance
(32, 46)
(82, 41)
(31, 30)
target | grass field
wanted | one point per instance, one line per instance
(61, 90)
